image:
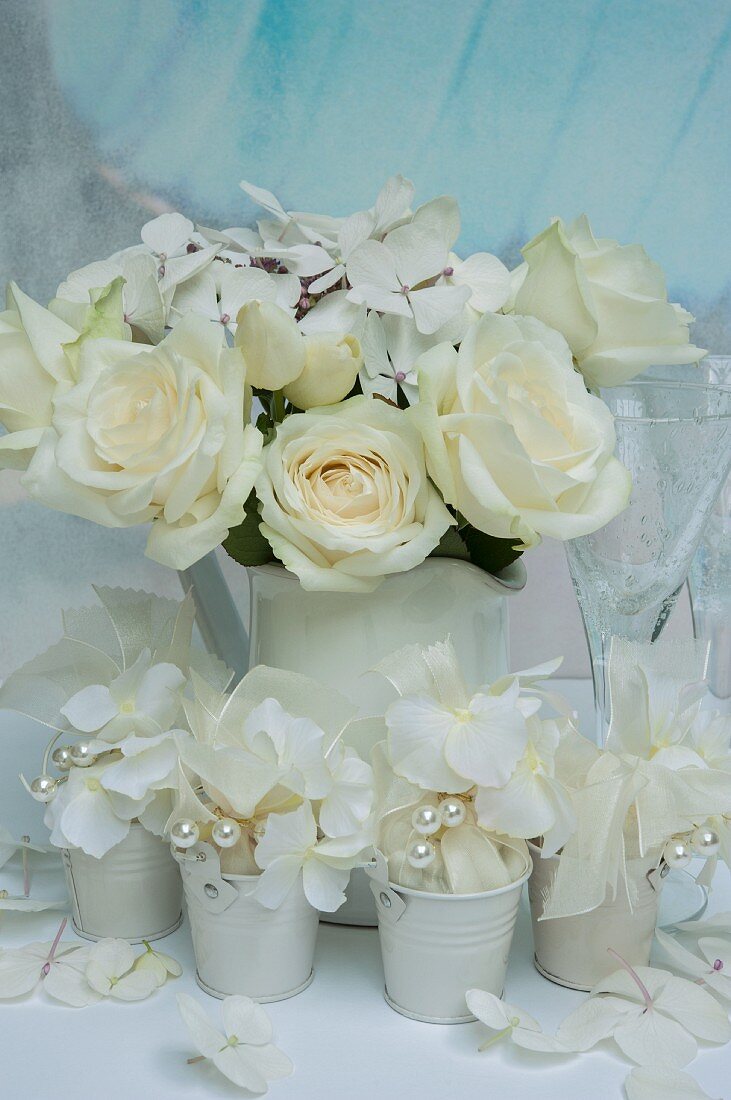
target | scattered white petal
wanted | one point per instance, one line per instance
(658, 1083)
(110, 972)
(653, 1016)
(57, 966)
(508, 1020)
(158, 964)
(244, 1053)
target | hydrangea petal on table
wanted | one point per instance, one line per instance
(128, 399)
(243, 1052)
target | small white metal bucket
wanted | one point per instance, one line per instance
(132, 893)
(437, 946)
(572, 951)
(241, 947)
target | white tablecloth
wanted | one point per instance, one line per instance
(344, 1040)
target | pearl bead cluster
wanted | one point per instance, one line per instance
(225, 833)
(428, 820)
(679, 851)
(79, 755)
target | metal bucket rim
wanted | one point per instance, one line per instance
(134, 827)
(421, 1018)
(484, 894)
(240, 880)
(183, 862)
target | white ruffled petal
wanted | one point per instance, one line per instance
(660, 1083)
(247, 1020)
(207, 1039)
(90, 709)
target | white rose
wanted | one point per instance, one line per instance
(609, 301)
(37, 351)
(513, 439)
(345, 497)
(271, 343)
(153, 434)
(331, 367)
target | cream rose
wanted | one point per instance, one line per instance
(153, 434)
(345, 498)
(609, 301)
(513, 439)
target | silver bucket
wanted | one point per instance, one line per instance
(573, 951)
(132, 893)
(241, 947)
(437, 946)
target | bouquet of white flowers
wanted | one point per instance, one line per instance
(129, 399)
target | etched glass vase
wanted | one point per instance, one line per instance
(675, 439)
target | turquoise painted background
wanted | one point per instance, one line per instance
(522, 108)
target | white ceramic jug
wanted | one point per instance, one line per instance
(338, 637)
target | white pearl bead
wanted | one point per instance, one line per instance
(226, 832)
(81, 755)
(43, 788)
(705, 842)
(184, 833)
(426, 820)
(453, 812)
(61, 758)
(421, 854)
(676, 854)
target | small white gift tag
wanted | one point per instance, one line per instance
(390, 905)
(202, 869)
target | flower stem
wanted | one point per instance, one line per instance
(494, 1038)
(278, 406)
(192, 1061)
(45, 969)
(634, 976)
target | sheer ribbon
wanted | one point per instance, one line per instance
(629, 800)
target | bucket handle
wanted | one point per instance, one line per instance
(656, 874)
(200, 867)
(390, 905)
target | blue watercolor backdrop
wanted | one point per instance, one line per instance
(524, 109)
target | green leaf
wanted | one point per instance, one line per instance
(245, 543)
(451, 545)
(487, 552)
(484, 551)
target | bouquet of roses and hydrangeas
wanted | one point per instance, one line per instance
(410, 402)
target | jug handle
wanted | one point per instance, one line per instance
(216, 614)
